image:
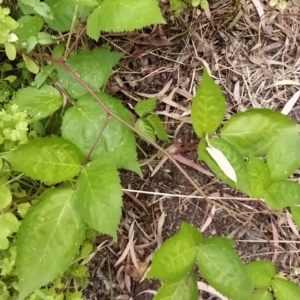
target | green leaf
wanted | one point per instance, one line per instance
(223, 269)
(193, 232)
(234, 158)
(5, 196)
(208, 107)
(93, 67)
(48, 240)
(30, 64)
(143, 126)
(158, 126)
(145, 107)
(10, 222)
(285, 290)
(295, 210)
(83, 122)
(123, 15)
(45, 38)
(254, 130)
(50, 160)
(10, 50)
(183, 288)
(86, 2)
(261, 273)
(44, 10)
(283, 157)
(38, 103)
(282, 194)
(259, 176)
(98, 197)
(175, 258)
(262, 295)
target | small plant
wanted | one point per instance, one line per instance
(177, 6)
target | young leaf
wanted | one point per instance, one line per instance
(158, 126)
(145, 107)
(124, 15)
(98, 197)
(10, 50)
(145, 128)
(50, 160)
(30, 64)
(193, 232)
(183, 288)
(254, 130)
(295, 210)
(175, 258)
(233, 156)
(282, 194)
(5, 196)
(38, 103)
(223, 269)
(259, 176)
(283, 156)
(262, 295)
(48, 240)
(261, 273)
(93, 67)
(208, 107)
(285, 290)
(83, 122)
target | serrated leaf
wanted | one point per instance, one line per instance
(143, 126)
(253, 131)
(124, 15)
(38, 103)
(283, 157)
(208, 107)
(184, 288)
(295, 210)
(83, 122)
(98, 197)
(145, 107)
(50, 160)
(48, 240)
(281, 194)
(158, 126)
(193, 232)
(30, 64)
(262, 295)
(5, 196)
(259, 176)
(175, 258)
(233, 156)
(94, 68)
(10, 50)
(285, 290)
(223, 269)
(261, 273)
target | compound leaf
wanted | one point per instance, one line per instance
(295, 210)
(50, 160)
(223, 269)
(208, 107)
(285, 290)
(183, 288)
(38, 103)
(93, 67)
(281, 194)
(259, 176)
(143, 126)
(98, 197)
(253, 131)
(48, 240)
(262, 295)
(123, 15)
(83, 122)
(145, 107)
(234, 158)
(158, 126)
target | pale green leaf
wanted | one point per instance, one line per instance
(285, 290)
(234, 158)
(48, 240)
(262, 295)
(193, 232)
(44, 10)
(30, 64)
(158, 126)
(184, 288)
(223, 269)
(5, 196)
(38, 103)
(83, 122)
(254, 130)
(45, 38)
(31, 43)
(50, 160)
(9, 222)
(261, 273)
(98, 197)
(282, 193)
(123, 15)
(143, 126)
(145, 107)
(295, 210)
(208, 107)
(259, 176)
(283, 157)
(10, 50)
(93, 67)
